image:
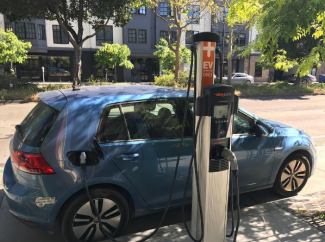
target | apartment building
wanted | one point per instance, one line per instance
(51, 48)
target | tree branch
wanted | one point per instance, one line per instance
(96, 31)
(60, 21)
(153, 9)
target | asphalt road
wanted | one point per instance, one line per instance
(303, 112)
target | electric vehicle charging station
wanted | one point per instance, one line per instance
(215, 104)
(214, 108)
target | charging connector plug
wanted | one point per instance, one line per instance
(231, 157)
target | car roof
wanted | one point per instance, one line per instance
(121, 90)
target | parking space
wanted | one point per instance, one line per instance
(304, 112)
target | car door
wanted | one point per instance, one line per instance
(147, 155)
(235, 79)
(255, 155)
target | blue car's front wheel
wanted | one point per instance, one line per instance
(79, 223)
(292, 176)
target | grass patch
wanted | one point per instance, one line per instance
(28, 93)
(279, 88)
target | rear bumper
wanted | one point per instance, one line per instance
(22, 201)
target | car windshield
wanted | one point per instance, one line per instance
(36, 125)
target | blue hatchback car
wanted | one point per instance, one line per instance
(138, 129)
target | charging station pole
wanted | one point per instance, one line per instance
(214, 185)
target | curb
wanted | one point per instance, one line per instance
(282, 95)
(17, 101)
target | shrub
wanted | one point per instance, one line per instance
(166, 80)
(10, 82)
(169, 80)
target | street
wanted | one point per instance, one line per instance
(303, 112)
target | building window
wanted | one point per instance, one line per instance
(59, 36)
(173, 37)
(142, 36)
(223, 14)
(163, 8)
(193, 14)
(258, 70)
(59, 66)
(164, 35)
(41, 31)
(135, 10)
(189, 37)
(8, 26)
(142, 10)
(25, 30)
(132, 36)
(30, 31)
(241, 40)
(105, 36)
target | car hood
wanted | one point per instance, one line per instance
(274, 124)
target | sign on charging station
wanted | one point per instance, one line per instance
(208, 60)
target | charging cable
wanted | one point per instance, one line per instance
(231, 157)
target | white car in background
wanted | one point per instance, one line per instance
(240, 78)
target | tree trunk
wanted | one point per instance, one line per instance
(230, 56)
(77, 64)
(115, 73)
(177, 60)
(298, 81)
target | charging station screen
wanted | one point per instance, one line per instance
(220, 111)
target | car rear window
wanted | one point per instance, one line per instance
(37, 124)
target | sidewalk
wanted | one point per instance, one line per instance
(261, 223)
(266, 222)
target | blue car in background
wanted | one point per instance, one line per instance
(138, 128)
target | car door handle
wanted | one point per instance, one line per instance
(127, 157)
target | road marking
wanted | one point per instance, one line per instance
(318, 137)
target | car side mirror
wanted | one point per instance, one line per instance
(261, 131)
(92, 158)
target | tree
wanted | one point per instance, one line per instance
(240, 15)
(287, 25)
(12, 50)
(113, 55)
(179, 15)
(96, 13)
(167, 57)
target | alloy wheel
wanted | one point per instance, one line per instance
(293, 175)
(85, 223)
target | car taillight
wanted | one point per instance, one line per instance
(31, 163)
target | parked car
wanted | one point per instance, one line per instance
(306, 79)
(240, 78)
(138, 128)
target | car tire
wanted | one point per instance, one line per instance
(77, 222)
(305, 81)
(248, 82)
(292, 176)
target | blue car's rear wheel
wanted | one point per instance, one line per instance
(292, 176)
(79, 223)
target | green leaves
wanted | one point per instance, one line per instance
(297, 27)
(167, 57)
(111, 55)
(12, 50)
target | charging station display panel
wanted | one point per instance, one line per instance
(220, 121)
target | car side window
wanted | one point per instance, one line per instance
(153, 119)
(112, 126)
(243, 124)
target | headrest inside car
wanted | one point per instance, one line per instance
(145, 107)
